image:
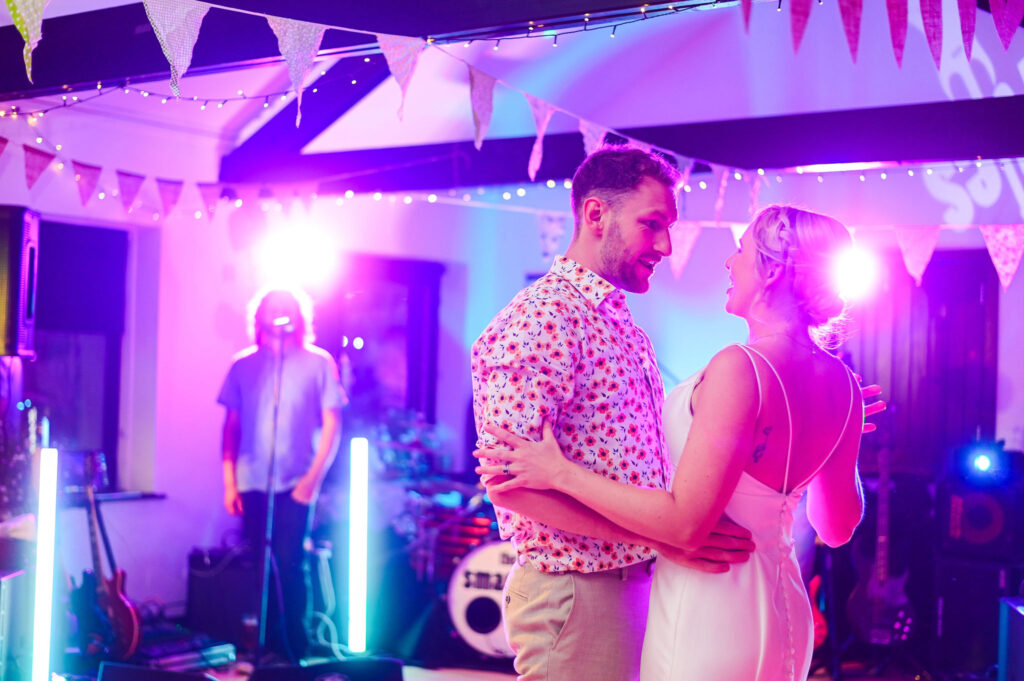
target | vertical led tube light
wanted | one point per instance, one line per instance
(46, 531)
(358, 518)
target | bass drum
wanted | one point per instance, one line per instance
(475, 601)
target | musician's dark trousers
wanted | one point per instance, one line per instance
(292, 524)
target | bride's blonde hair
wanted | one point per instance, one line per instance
(806, 245)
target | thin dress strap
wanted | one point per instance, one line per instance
(757, 376)
(846, 426)
(789, 417)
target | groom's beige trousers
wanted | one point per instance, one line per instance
(572, 625)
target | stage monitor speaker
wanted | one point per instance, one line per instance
(1011, 639)
(355, 669)
(114, 671)
(19, 262)
(984, 523)
(967, 613)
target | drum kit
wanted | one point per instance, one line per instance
(452, 537)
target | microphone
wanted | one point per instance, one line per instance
(280, 326)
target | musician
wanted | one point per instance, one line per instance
(304, 441)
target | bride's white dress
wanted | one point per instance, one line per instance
(752, 623)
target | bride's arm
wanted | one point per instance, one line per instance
(716, 452)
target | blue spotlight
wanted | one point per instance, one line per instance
(981, 463)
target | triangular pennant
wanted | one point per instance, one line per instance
(931, 17)
(1005, 244)
(684, 237)
(542, 112)
(593, 136)
(746, 20)
(755, 192)
(210, 193)
(550, 230)
(176, 24)
(851, 11)
(170, 192)
(898, 27)
(27, 16)
(299, 43)
(642, 146)
(917, 245)
(401, 53)
(128, 184)
(687, 166)
(968, 15)
(799, 13)
(737, 229)
(36, 161)
(481, 96)
(86, 177)
(1007, 15)
(3, 144)
(720, 200)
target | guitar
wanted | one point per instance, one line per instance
(119, 630)
(818, 617)
(879, 609)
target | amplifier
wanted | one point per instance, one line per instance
(223, 594)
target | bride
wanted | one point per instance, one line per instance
(760, 425)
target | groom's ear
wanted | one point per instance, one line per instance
(594, 213)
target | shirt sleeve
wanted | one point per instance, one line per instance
(332, 394)
(231, 390)
(524, 369)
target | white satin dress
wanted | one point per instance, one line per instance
(752, 623)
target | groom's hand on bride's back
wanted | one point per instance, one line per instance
(728, 543)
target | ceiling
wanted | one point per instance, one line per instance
(691, 82)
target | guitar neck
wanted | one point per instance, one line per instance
(882, 544)
(94, 543)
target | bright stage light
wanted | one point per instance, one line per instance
(301, 255)
(855, 274)
(358, 519)
(982, 463)
(46, 531)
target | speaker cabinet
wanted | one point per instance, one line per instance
(19, 262)
(983, 523)
(967, 612)
(356, 669)
(223, 592)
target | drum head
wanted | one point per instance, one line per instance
(475, 601)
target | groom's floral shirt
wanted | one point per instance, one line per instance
(566, 350)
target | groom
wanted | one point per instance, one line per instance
(566, 349)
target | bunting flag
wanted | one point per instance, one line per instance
(550, 230)
(86, 177)
(968, 14)
(542, 112)
(642, 146)
(593, 136)
(1007, 15)
(481, 96)
(931, 17)
(746, 19)
(755, 192)
(898, 27)
(128, 184)
(210, 193)
(737, 229)
(3, 145)
(27, 16)
(1005, 244)
(799, 13)
(851, 11)
(36, 161)
(917, 245)
(176, 24)
(684, 237)
(720, 200)
(687, 166)
(401, 54)
(170, 192)
(299, 43)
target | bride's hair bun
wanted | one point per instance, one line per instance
(806, 244)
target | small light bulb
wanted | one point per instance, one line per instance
(550, 184)
(506, 195)
(432, 198)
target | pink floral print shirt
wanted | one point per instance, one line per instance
(566, 350)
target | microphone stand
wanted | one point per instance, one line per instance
(265, 564)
